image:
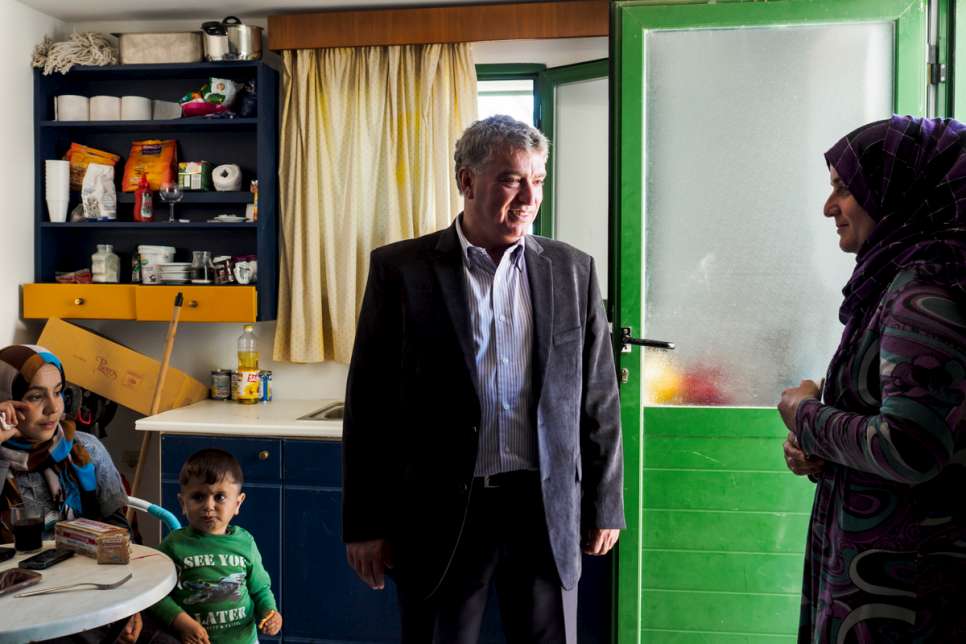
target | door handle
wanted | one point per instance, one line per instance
(627, 340)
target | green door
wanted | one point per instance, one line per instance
(721, 113)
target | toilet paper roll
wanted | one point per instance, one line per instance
(135, 108)
(226, 177)
(164, 110)
(105, 108)
(70, 107)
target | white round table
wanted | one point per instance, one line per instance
(27, 619)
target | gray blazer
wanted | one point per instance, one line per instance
(410, 433)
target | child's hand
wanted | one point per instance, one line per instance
(190, 631)
(271, 623)
(131, 631)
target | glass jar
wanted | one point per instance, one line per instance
(105, 265)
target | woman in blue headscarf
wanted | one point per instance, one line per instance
(44, 462)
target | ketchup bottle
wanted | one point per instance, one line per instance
(143, 204)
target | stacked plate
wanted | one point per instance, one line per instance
(175, 272)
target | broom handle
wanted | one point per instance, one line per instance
(156, 401)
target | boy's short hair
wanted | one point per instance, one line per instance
(210, 465)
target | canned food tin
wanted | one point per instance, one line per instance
(221, 384)
(266, 381)
(234, 384)
(248, 388)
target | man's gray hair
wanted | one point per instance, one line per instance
(500, 132)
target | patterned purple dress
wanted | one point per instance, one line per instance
(886, 552)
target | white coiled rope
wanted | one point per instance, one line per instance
(87, 48)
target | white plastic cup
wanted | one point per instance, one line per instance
(57, 210)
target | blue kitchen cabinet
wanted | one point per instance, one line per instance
(293, 509)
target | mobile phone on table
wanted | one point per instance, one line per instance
(46, 559)
(7, 553)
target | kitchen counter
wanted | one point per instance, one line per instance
(277, 419)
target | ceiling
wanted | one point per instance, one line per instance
(93, 10)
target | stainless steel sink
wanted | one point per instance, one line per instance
(332, 411)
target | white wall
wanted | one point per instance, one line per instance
(21, 29)
(552, 53)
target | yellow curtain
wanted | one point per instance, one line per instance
(366, 158)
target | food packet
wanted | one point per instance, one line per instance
(80, 156)
(214, 97)
(97, 193)
(152, 158)
(221, 91)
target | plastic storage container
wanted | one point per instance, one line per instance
(105, 265)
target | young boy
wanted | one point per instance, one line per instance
(223, 592)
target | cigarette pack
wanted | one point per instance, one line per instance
(106, 543)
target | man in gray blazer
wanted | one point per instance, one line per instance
(481, 438)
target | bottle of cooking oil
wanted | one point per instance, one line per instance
(247, 353)
(249, 382)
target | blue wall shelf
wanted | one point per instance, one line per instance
(251, 143)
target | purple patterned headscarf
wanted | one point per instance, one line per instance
(909, 174)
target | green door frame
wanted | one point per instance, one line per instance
(956, 35)
(630, 21)
(548, 81)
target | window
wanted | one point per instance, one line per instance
(511, 97)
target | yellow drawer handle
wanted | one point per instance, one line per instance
(79, 301)
(193, 304)
(263, 455)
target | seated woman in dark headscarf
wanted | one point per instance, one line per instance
(44, 462)
(886, 439)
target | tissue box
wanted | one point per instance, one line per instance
(107, 543)
(153, 48)
(194, 175)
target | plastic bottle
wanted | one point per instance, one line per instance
(247, 353)
(106, 266)
(143, 201)
(254, 191)
(248, 384)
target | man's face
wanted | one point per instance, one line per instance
(503, 197)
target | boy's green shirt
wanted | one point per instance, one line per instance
(222, 583)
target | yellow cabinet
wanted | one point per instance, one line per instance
(141, 303)
(94, 301)
(201, 303)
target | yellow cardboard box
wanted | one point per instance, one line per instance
(116, 372)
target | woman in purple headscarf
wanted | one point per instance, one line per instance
(885, 440)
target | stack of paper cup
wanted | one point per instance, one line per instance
(57, 186)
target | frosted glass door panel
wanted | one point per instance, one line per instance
(580, 169)
(742, 270)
